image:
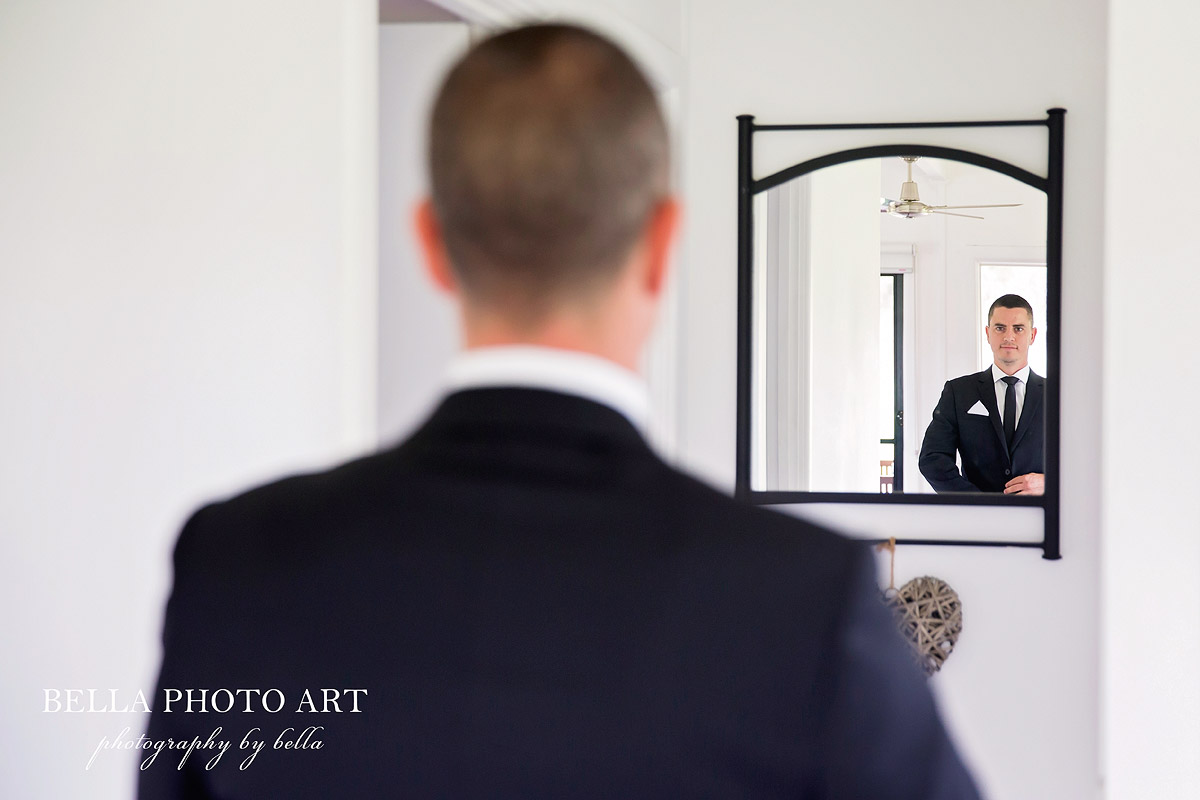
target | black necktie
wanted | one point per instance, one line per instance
(1010, 409)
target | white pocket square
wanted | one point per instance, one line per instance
(978, 408)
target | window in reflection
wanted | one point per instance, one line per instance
(1027, 280)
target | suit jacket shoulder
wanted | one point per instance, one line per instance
(972, 378)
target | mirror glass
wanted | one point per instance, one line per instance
(873, 356)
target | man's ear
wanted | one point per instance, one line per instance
(660, 236)
(433, 247)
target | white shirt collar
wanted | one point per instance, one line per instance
(1022, 374)
(564, 371)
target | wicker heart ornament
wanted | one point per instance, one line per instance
(929, 614)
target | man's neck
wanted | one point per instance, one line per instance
(1013, 370)
(611, 345)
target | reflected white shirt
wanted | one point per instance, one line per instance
(1022, 376)
(564, 371)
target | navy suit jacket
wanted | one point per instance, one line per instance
(987, 464)
(537, 606)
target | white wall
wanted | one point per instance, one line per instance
(843, 322)
(186, 242)
(1151, 532)
(661, 19)
(1021, 687)
(418, 325)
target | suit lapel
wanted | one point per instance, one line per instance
(1033, 401)
(987, 395)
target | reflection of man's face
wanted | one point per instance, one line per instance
(1010, 332)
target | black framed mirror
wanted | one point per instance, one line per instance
(899, 306)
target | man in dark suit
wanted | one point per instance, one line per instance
(522, 599)
(992, 419)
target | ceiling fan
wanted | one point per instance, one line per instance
(909, 205)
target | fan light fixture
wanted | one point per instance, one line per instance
(910, 206)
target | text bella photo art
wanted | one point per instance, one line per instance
(207, 701)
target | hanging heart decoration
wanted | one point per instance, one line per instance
(929, 614)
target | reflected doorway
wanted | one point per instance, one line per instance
(891, 383)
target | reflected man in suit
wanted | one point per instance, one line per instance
(992, 419)
(533, 602)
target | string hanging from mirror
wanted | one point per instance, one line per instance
(928, 612)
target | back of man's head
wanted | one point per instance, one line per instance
(548, 153)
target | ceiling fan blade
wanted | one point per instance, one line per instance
(949, 214)
(995, 205)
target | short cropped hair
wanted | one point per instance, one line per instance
(547, 154)
(1010, 301)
